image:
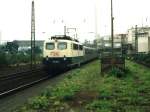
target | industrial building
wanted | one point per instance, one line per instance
(119, 39)
(24, 45)
(139, 37)
(27, 43)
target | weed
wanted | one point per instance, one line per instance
(111, 94)
(99, 104)
(46, 93)
(39, 102)
(116, 72)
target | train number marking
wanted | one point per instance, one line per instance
(54, 53)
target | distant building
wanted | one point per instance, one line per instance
(27, 43)
(142, 43)
(103, 41)
(119, 39)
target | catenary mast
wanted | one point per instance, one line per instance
(32, 35)
(112, 28)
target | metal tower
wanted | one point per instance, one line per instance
(32, 35)
(112, 28)
(96, 22)
(136, 39)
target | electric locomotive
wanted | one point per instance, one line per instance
(61, 52)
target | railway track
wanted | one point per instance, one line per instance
(16, 81)
(142, 63)
(14, 69)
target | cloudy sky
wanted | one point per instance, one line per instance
(53, 15)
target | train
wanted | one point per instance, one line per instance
(61, 52)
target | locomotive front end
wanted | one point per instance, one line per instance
(56, 55)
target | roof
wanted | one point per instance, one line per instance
(64, 37)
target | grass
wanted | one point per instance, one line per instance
(85, 90)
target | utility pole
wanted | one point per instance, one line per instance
(112, 28)
(136, 39)
(65, 30)
(96, 16)
(32, 35)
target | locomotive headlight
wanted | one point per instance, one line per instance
(64, 57)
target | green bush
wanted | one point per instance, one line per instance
(39, 102)
(143, 58)
(100, 105)
(116, 72)
(16, 58)
(46, 93)
(3, 60)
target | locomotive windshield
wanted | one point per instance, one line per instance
(62, 45)
(50, 46)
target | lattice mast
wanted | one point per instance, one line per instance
(112, 28)
(136, 39)
(32, 35)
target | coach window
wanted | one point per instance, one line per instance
(50, 46)
(62, 45)
(75, 46)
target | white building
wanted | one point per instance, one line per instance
(142, 44)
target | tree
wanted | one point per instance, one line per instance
(3, 60)
(37, 50)
(12, 47)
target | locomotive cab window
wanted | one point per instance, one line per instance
(62, 45)
(50, 46)
(80, 47)
(75, 46)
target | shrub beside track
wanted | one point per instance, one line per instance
(86, 90)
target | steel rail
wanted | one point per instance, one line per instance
(20, 80)
(22, 87)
